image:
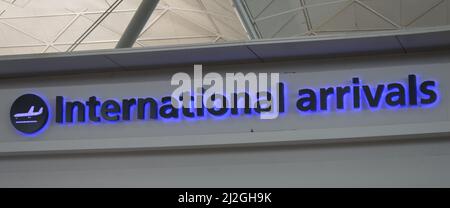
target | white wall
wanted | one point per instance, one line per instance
(407, 163)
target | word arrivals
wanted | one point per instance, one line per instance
(96, 110)
(388, 95)
(195, 198)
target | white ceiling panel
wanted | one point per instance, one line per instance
(327, 17)
(46, 26)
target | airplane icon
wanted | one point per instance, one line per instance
(29, 114)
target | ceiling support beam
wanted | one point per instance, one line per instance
(247, 20)
(307, 18)
(137, 23)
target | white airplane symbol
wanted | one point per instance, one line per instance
(30, 113)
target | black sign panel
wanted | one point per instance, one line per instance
(29, 113)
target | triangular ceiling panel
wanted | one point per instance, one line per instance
(230, 29)
(356, 17)
(44, 28)
(116, 22)
(321, 11)
(186, 4)
(270, 27)
(413, 9)
(436, 16)
(21, 50)
(10, 37)
(80, 26)
(388, 8)
(277, 6)
(258, 6)
(214, 7)
(343, 21)
(370, 20)
(174, 24)
(201, 19)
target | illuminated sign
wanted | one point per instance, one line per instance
(389, 95)
(29, 113)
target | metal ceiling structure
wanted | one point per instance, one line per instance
(46, 26)
(43, 26)
(293, 18)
